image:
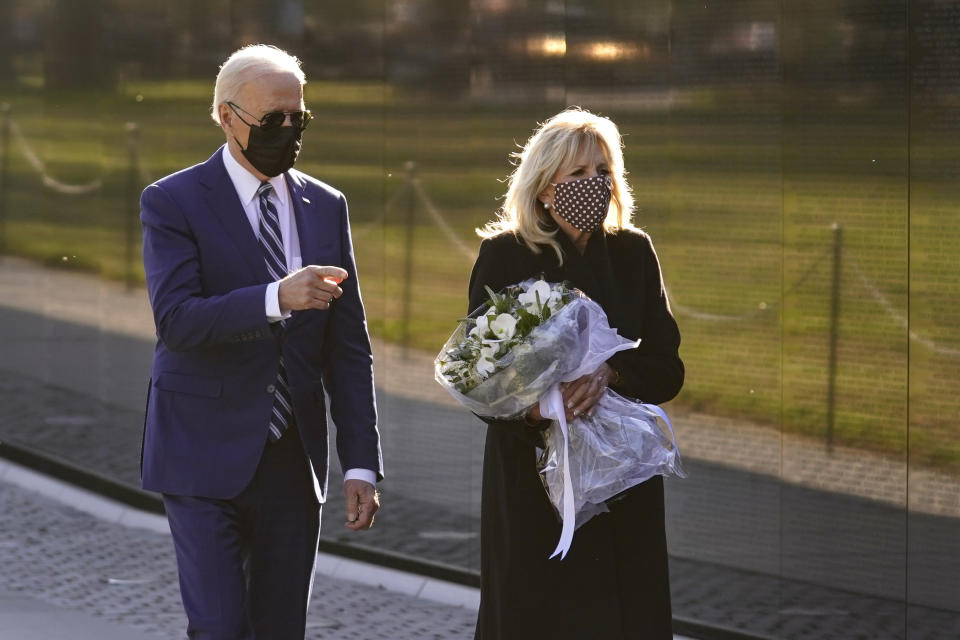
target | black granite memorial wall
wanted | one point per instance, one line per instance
(796, 164)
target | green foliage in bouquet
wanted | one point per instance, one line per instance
(480, 346)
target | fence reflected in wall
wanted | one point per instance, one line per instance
(795, 164)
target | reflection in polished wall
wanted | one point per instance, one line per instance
(795, 164)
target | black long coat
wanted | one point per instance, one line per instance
(614, 581)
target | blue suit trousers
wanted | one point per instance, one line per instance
(246, 564)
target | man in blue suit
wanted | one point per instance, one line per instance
(251, 276)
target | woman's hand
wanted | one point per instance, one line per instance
(580, 395)
(533, 416)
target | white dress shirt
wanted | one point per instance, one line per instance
(246, 185)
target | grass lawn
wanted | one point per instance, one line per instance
(740, 212)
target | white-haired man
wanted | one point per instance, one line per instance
(253, 285)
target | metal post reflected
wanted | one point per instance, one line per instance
(132, 199)
(834, 334)
(411, 170)
(4, 172)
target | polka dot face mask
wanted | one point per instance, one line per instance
(583, 203)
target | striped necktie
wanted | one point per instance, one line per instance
(272, 245)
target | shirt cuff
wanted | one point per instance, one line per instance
(272, 303)
(361, 474)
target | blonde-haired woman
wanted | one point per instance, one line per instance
(567, 215)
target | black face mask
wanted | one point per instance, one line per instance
(272, 151)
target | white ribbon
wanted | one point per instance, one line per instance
(551, 407)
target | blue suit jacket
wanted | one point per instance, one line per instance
(217, 357)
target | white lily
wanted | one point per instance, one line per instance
(482, 327)
(485, 364)
(528, 298)
(504, 326)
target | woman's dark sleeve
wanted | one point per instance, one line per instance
(493, 269)
(653, 372)
(489, 270)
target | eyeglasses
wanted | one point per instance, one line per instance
(274, 119)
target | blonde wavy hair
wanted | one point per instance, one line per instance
(556, 144)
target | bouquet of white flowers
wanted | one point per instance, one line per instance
(515, 352)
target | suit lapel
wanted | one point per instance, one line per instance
(222, 199)
(318, 237)
(308, 219)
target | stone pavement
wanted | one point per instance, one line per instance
(28, 618)
(771, 534)
(106, 572)
(71, 573)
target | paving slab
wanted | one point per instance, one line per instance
(26, 618)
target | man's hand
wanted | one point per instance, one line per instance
(313, 287)
(362, 504)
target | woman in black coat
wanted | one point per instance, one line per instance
(567, 216)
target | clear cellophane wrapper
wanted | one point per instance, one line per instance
(617, 446)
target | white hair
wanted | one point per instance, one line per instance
(247, 64)
(555, 144)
